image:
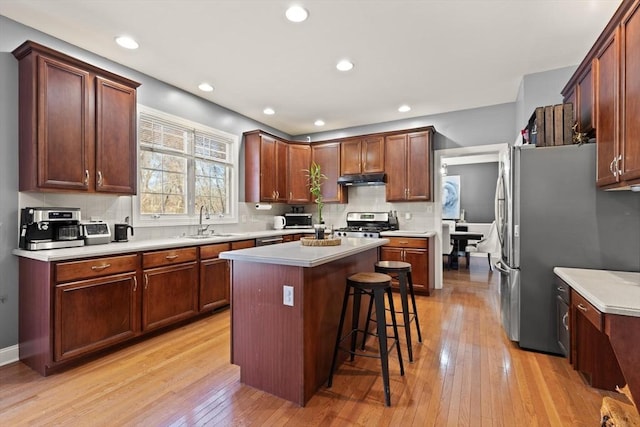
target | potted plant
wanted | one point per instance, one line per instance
(315, 176)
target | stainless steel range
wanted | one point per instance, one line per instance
(367, 224)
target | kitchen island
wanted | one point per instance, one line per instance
(285, 309)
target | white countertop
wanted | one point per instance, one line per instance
(613, 292)
(115, 248)
(294, 254)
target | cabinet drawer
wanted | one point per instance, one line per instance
(590, 312)
(562, 289)
(168, 257)
(242, 244)
(212, 251)
(86, 269)
(407, 242)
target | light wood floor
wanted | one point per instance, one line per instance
(465, 373)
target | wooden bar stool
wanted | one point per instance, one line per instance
(376, 285)
(401, 271)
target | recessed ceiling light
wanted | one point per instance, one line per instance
(205, 87)
(269, 111)
(319, 122)
(297, 14)
(127, 42)
(404, 108)
(344, 65)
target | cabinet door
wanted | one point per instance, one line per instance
(297, 170)
(606, 66)
(585, 102)
(328, 157)
(419, 260)
(350, 157)
(169, 295)
(390, 254)
(116, 138)
(281, 171)
(64, 128)
(418, 166)
(373, 154)
(630, 92)
(94, 314)
(214, 284)
(268, 169)
(395, 165)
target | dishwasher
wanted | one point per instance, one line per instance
(272, 240)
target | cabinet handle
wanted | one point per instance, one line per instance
(564, 321)
(561, 288)
(611, 167)
(146, 280)
(135, 283)
(99, 179)
(100, 267)
(290, 195)
(170, 257)
(86, 177)
(277, 194)
(403, 242)
(582, 308)
(618, 168)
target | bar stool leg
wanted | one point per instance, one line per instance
(413, 301)
(366, 325)
(345, 300)
(355, 319)
(403, 282)
(382, 340)
(395, 330)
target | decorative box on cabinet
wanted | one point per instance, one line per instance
(214, 277)
(170, 287)
(408, 166)
(362, 155)
(415, 251)
(77, 125)
(265, 158)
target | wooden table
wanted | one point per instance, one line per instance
(459, 237)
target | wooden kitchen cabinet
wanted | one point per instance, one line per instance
(170, 287)
(327, 155)
(591, 351)
(415, 251)
(362, 155)
(77, 125)
(215, 279)
(265, 158)
(408, 166)
(298, 163)
(579, 92)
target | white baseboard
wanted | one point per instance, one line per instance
(9, 355)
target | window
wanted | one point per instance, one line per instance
(183, 166)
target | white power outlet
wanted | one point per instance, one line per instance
(287, 295)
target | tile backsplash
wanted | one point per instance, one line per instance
(114, 209)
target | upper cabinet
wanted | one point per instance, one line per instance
(327, 155)
(265, 167)
(408, 166)
(579, 92)
(299, 160)
(77, 125)
(613, 65)
(362, 155)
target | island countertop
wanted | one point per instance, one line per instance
(294, 254)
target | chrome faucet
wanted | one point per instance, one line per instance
(203, 228)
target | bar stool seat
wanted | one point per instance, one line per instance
(376, 285)
(401, 271)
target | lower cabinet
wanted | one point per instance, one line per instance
(94, 308)
(170, 291)
(215, 279)
(415, 251)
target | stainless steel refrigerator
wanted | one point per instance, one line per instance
(550, 213)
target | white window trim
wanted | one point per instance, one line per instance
(173, 220)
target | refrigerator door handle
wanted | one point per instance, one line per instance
(499, 267)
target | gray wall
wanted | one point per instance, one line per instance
(477, 190)
(479, 126)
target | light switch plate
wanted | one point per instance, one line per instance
(287, 295)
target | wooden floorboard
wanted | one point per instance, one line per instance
(465, 373)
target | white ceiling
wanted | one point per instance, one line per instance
(435, 55)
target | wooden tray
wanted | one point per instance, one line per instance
(312, 241)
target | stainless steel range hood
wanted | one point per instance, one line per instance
(363, 179)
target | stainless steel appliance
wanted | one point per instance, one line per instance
(550, 213)
(50, 228)
(298, 220)
(96, 232)
(272, 240)
(367, 224)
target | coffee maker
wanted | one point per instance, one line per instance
(50, 228)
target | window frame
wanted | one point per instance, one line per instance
(191, 217)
